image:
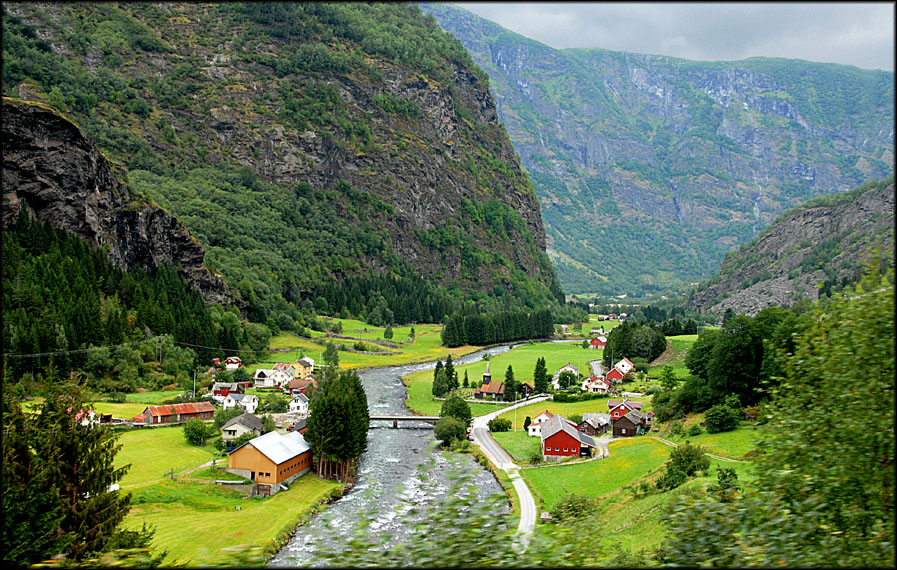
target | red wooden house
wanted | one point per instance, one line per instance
(561, 439)
(614, 376)
(597, 343)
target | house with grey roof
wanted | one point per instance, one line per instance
(236, 427)
(561, 440)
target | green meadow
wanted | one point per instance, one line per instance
(219, 533)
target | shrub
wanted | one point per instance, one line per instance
(671, 478)
(695, 429)
(448, 429)
(572, 506)
(499, 424)
(721, 418)
(689, 459)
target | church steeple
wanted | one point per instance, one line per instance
(487, 376)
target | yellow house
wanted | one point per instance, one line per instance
(272, 459)
(303, 367)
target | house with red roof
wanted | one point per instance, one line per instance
(173, 413)
(599, 342)
(619, 408)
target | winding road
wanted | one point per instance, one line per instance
(500, 458)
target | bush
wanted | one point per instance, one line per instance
(689, 459)
(695, 429)
(572, 506)
(499, 424)
(721, 418)
(671, 478)
(449, 429)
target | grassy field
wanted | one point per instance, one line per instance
(520, 445)
(732, 444)
(522, 359)
(426, 346)
(153, 451)
(629, 460)
(207, 510)
(199, 524)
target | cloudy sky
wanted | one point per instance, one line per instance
(860, 34)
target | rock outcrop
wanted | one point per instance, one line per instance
(55, 172)
(804, 249)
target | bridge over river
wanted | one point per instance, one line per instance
(395, 419)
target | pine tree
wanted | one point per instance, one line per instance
(511, 385)
(451, 377)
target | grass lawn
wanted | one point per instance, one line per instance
(153, 451)
(199, 524)
(630, 460)
(426, 346)
(732, 444)
(126, 410)
(152, 398)
(518, 444)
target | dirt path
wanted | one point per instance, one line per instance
(666, 356)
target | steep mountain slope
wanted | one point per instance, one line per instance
(650, 168)
(822, 244)
(308, 146)
(53, 171)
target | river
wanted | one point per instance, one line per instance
(390, 473)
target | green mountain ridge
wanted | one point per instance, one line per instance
(344, 157)
(650, 168)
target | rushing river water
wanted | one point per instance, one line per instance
(390, 478)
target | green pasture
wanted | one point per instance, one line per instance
(680, 345)
(153, 451)
(520, 445)
(199, 524)
(732, 444)
(629, 460)
(426, 346)
(126, 411)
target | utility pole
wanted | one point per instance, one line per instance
(194, 384)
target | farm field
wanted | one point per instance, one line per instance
(206, 509)
(219, 533)
(732, 444)
(520, 445)
(426, 346)
(153, 451)
(629, 460)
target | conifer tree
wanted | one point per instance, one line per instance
(540, 377)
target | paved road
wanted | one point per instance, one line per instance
(503, 461)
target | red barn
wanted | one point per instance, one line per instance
(170, 413)
(561, 439)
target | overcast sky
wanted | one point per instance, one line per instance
(860, 34)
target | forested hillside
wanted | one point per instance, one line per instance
(650, 168)
(338, 157)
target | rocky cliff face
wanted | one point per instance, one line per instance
(55, 172)
(805, 250)
(650, 168)
(325, 105)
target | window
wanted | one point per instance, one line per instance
(565, 450)
(624, 430)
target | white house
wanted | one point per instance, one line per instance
(299, 405)
(596, 385)
(232, 363)
(624, 366)
(249, 402)
(568, 368)
(535, 428)
(241, 424)
(271, 378)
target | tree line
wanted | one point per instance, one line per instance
(483, 329)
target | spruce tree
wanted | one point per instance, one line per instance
(451, 377)
(540, 377)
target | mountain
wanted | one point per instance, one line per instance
(650, 168)
(343, 156)
(821, 245)
(53, 170)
